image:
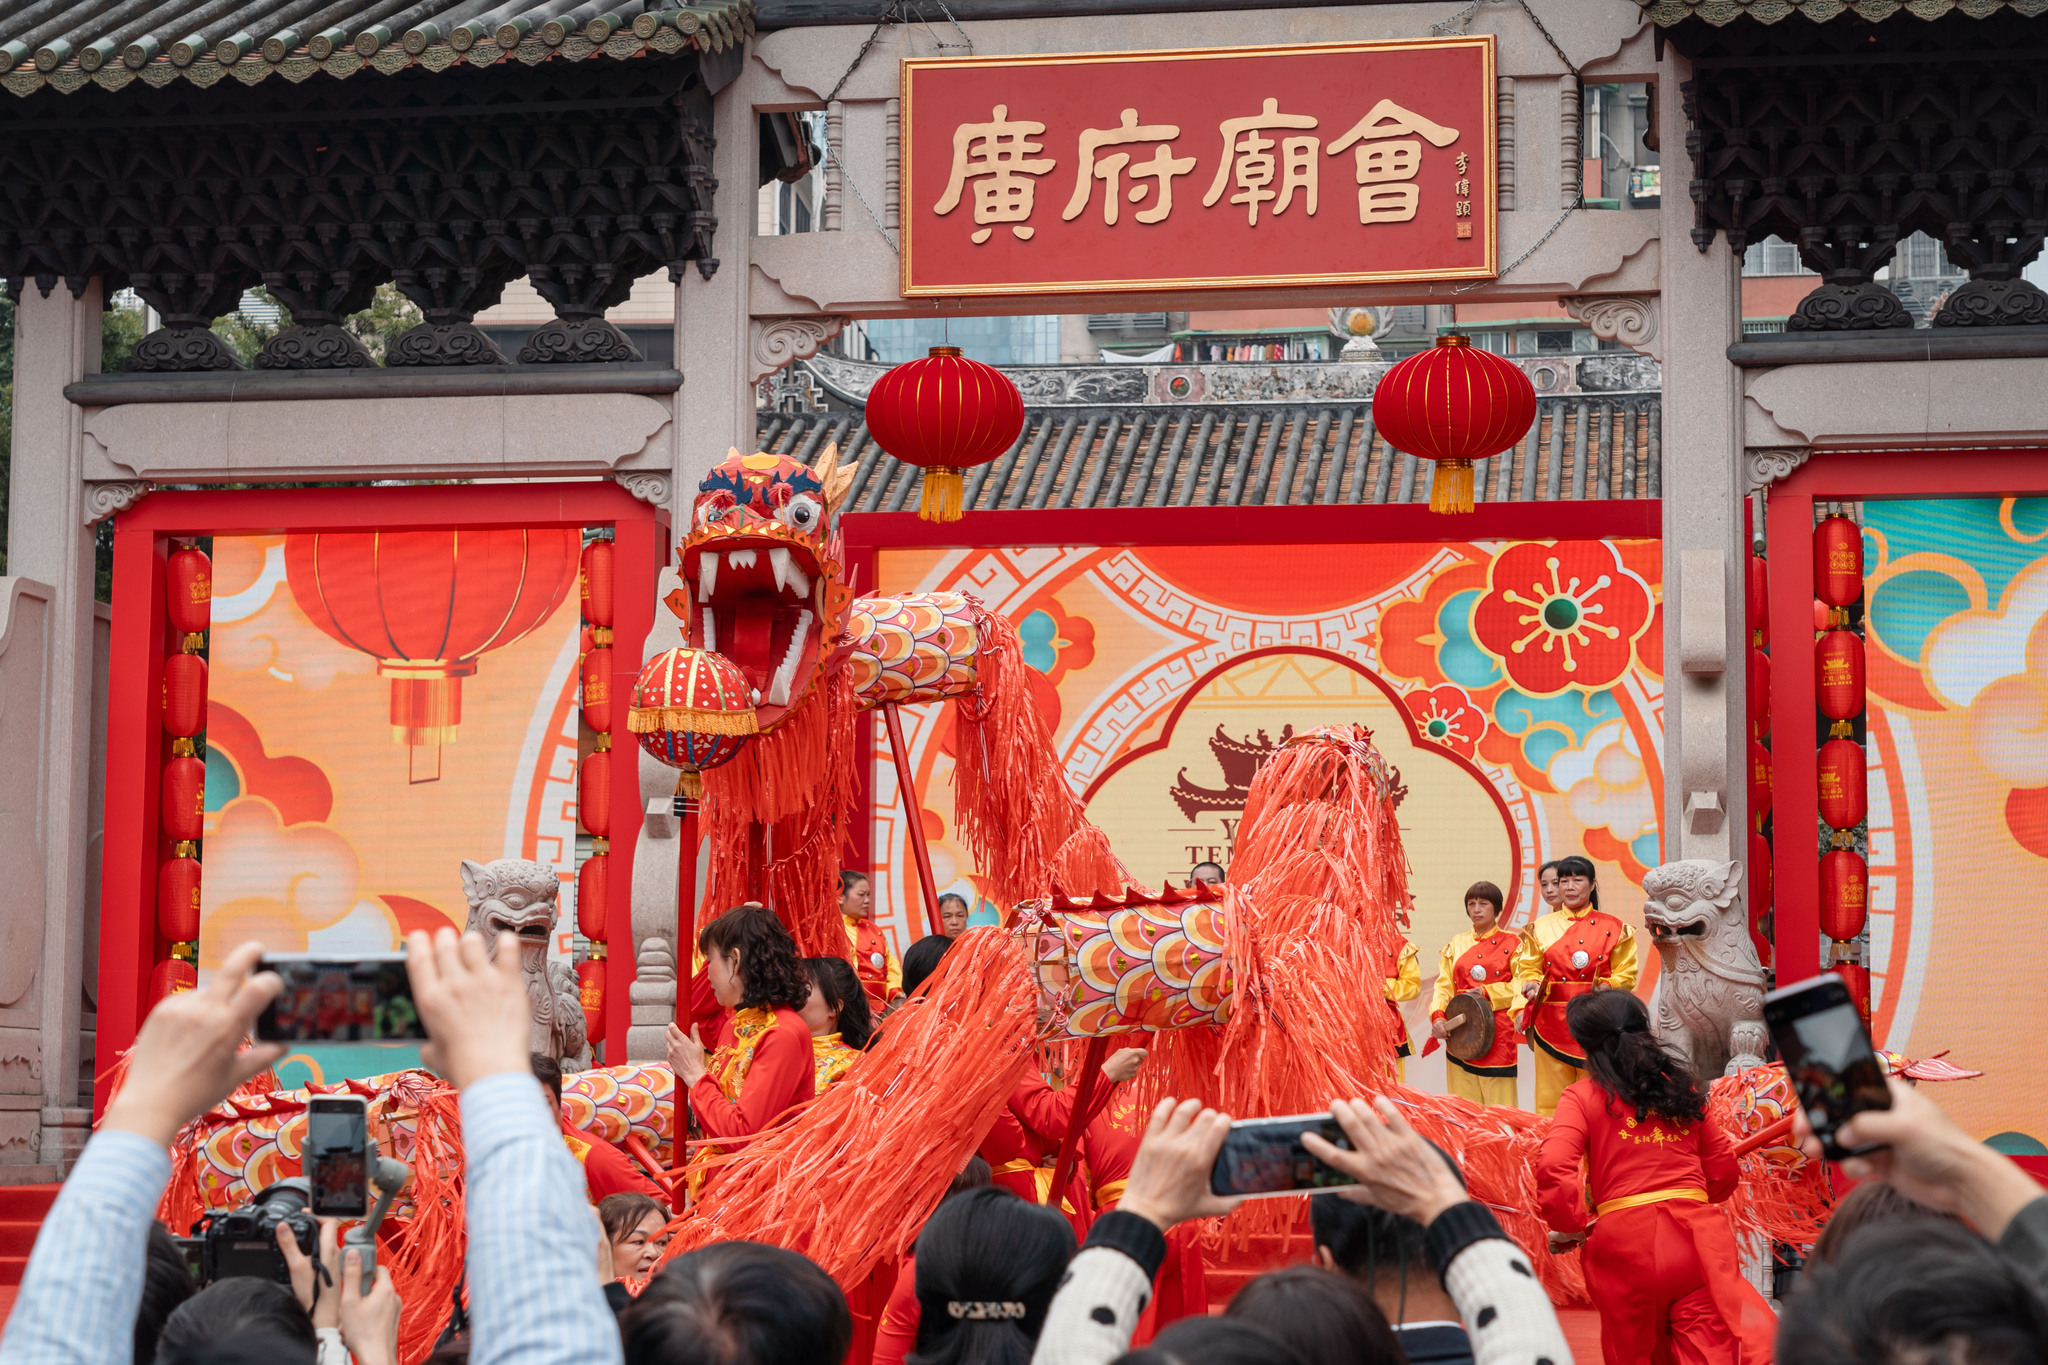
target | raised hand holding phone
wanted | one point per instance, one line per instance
(1828, 1057)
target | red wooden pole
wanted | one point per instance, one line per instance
(913, 817)
(1084, 1095)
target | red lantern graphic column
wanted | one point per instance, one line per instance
(1843, 787)
(188, 602)
(1759, 700)
(593, 783)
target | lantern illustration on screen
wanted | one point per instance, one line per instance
(1453, 404)
(944, 413)
(427, 605)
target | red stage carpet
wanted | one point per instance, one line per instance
(1582, 1331)
(22, 1208)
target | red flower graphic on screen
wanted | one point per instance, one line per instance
(1445, 715)
(1561, 616)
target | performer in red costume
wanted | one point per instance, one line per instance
(1572, 951)
(762, 1066)
(880, 970)
(1482, 961)
(606, 1169)
(1024, 1144)
(1660, 1261)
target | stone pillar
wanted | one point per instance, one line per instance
(715, 409)
(56, 342)
(1705, 806)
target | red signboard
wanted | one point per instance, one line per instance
(1224, 168)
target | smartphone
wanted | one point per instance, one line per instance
(337, 1155)
(340, 1000)
(1827, 1053)
(1263, 1157)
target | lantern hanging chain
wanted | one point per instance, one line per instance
(1458, 22)
(893, 14)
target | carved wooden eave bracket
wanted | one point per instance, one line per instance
(1630, 319)
(778, 341)
(1768, 464)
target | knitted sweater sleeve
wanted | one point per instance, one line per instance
(1106, 1287)
(1506, 1313)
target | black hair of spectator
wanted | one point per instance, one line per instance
(1365, 1242)
(922, 959)
(1195, 871)
(1485, 891)
(1915, 1290)
(850, 878)
(738, 1303)
(1328, 1319)
(975, 1175)
(771, 974)
(548, 1072)
(239, 1318)
(1214, 1341)
(1625, 1059)
(166, 1282)
(1871, 1202)
(622, 1212)
(1575, 866)
(955, 897)
(987, 1247)
(835, 980)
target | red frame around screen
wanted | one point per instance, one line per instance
(1838, 476)
(132, 844)
(868, 533)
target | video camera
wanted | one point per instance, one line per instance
(243, 1241)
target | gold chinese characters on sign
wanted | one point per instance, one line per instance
(1219, 178)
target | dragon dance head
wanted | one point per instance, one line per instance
(762, 563)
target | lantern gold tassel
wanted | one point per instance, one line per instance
(943, 494)
(1451, 490)
(690, 786)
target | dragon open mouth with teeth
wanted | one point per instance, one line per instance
(763, 564)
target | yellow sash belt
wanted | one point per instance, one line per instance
(1631, 1201)
(1110, 1193)
(1041, 1176)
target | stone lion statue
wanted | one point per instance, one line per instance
(512, 895)
(1709, 1001)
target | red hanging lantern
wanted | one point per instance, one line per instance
(171, 976)
(1759, 782)
(188, 593)
(1454, 404)
(944, 413)
(1844, 784)
(177, 899)
(590, 994)
(597, 689)
(1838, 678)
(1759, 694)
(428, 604)
(1838, 561)
(593, 882)
(1759, 602)
(1857, 979)
(1761, 882)
(1844, 894)
(182, 802)
(184, 695)
(594, 794)
(597, 583)
(692, 710)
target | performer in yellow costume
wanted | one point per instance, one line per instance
(1481, 960)
(1573, 950)
(1404, 982)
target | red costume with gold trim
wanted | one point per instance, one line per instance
(1567, 953)
(1025, 1141)
(879, 970)
(1482, 963)
(761, 1070)
(1661, 1264)
(607, 1170)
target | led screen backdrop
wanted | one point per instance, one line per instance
(1516, 685)
(1957, 594)
(325, 831)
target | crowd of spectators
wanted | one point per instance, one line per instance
(1942, 1255)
